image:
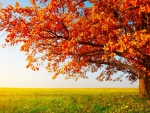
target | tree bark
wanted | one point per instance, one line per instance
(144, 86)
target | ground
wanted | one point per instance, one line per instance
(61, 100)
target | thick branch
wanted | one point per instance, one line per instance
(116, 64)
(90, 44)
(91, 53)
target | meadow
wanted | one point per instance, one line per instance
(72, 100)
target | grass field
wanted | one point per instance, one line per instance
(32, 100)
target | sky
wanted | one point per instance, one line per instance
(13, 71)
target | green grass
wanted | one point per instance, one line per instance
(30, 100)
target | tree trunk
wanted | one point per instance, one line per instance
(144, 86)
(147, 80)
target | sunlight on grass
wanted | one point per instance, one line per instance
(61, 100)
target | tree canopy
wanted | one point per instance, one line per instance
(67, 37)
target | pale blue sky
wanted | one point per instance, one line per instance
(13, 71)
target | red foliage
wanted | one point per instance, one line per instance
(74, 39)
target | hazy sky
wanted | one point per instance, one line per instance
(13, 72)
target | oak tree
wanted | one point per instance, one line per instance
(69, 38)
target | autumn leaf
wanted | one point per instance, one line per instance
(74, 39)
